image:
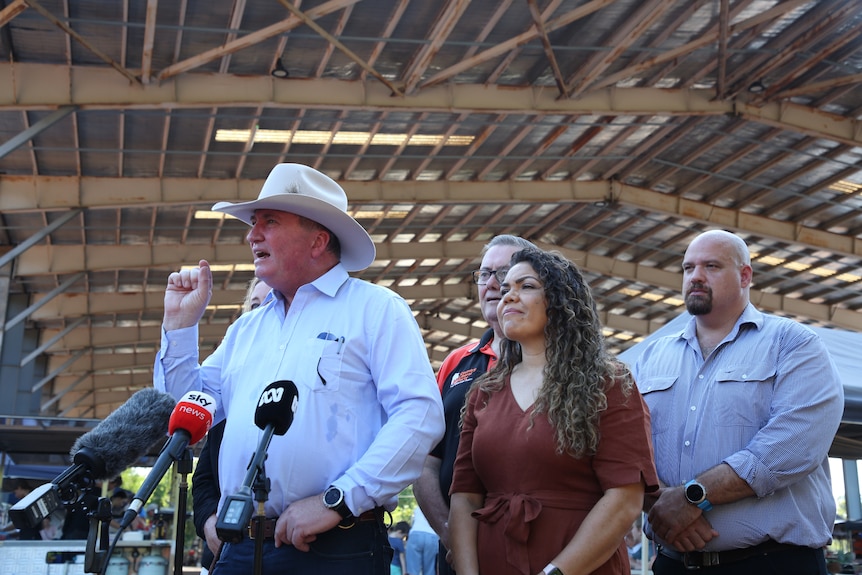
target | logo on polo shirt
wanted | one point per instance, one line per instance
(462, 377)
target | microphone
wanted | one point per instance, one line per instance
(189, 422)
(274, 415)
(122, 438)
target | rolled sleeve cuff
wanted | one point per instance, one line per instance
(752, 471)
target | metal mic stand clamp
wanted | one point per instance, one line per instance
(261, 488)
(100, 519)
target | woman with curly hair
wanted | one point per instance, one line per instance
(555, 451)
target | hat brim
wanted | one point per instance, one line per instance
(357, 247)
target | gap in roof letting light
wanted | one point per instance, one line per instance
(357, 214)
(377, 214)
(803, 267)
(341, 137)
(845, 186)
(208, 215)
(849, 278)
(224, 267)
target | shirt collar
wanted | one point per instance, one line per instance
(328, 283)
(331, 281)
(750, 315)
(485, 340)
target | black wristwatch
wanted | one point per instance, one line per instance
(695, 493)
(333, 498)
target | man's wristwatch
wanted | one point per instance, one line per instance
(695, 493)
(551, 569)
(333, 498)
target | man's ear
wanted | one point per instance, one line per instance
(321, 240)
(746, 274)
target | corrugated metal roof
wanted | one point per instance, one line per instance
(611, 130)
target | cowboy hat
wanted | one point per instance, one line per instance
(304, 191)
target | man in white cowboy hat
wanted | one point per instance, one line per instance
(368, 410)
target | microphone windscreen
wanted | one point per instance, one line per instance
(276, 406)
(127, 433)
(194, 414)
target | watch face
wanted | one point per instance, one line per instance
(332, 497)
(694, 493)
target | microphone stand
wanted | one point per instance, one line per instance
(183, 467)
(261, 494)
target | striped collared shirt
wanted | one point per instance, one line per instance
(767, 401)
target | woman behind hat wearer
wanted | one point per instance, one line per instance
(555, 450)
(368, 409)
(255, 294)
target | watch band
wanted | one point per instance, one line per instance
(551, 569)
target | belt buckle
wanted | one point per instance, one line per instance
(707, 559)
(689, 566)
(710, 558)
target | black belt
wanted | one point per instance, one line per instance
(375, 514)
(700, 559)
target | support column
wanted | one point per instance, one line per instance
(851, 490)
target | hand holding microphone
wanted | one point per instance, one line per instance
(274, 415)
(191, 419)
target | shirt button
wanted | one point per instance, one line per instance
(744, 375)
(688, 443)
(700, 376)
(693, 407)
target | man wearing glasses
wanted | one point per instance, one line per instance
(455, 377)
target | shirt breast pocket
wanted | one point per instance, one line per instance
(654, 389)
(744, 395)
(328, 354)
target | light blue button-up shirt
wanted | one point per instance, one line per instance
(767, 401)
(369, 409)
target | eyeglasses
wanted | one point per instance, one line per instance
(481, 277)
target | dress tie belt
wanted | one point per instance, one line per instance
(517, 510)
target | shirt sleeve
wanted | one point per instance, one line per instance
(176, 370)
(465, 479)
(806, 409)
(625, 451)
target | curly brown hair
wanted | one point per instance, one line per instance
(578, 369)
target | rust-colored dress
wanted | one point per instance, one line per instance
(535, 499)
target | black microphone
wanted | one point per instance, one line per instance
(274, 414)
(122, 438)
(191, 419)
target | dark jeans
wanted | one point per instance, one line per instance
(443, 568)
(362, 549)
(801, 561)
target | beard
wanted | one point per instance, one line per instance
(699, 304)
